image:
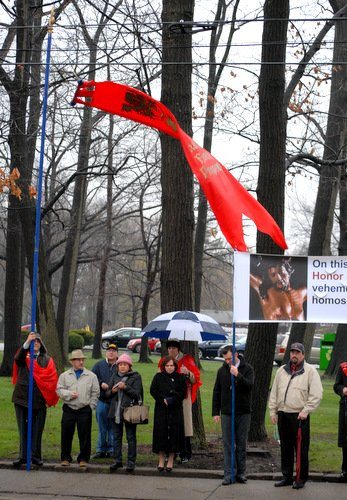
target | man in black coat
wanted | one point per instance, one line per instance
(340, 387)
(221, 410)
(44, 383)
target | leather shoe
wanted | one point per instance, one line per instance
(226, 482)
(241, 479)
(117, 465)
(283, 482)
(298, 485)
(343, 477)
(36, 461)
(18, 462)
(130, 470)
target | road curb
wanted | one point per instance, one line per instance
(177, 472)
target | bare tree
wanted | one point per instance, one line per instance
(270, 190)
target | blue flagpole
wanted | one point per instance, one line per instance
(37, 240)
(232, 458)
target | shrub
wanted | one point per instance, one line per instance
(86, 334)
(75, 341)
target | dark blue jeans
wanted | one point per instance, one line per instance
(105, 434)
(242, 423)
(130, 430)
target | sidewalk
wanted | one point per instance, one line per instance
(77, 484)
(53, 481)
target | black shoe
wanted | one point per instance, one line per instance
(18, 462)
(36, 461)
(226, 482)
(130, 470)
(99, 454)
(241, 479)
(343, 477)
(298, 485)
(284, 482)
(184, 460)
(117, 465)
(160, 469)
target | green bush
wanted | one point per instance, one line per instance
(75, 341)
(86, 334)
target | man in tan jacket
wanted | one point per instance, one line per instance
(296, 392)
(79, 390)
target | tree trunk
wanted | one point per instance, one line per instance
(271, 182)
(176, 176)
(215, 73)
(107, 250)
(334, 148)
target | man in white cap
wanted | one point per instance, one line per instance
(79, 390)
(296, 392)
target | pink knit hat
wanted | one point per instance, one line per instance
(124, 358)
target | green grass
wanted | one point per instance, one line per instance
(325, 456)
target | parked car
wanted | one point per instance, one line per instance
(135, 344)
(120, 337)
(282, 346)
(206, 348)
(240, 345)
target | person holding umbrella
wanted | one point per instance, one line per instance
(340, 387)
(296, 392)
(168, 388)
(188, 368)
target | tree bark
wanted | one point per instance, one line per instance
(270, 190)
(329, 179)
(107, 249)
(215, 73)
(176, 176)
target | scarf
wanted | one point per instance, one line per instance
(46, 379)
(119, 403)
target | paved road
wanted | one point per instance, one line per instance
(48, 485)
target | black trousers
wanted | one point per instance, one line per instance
(38, 424)
(83, 419)
(344, 460)
(288, 430)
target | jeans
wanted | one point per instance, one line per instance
(130, 430)
(242, 423)
(105, 434)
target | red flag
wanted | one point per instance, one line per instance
(227, 197)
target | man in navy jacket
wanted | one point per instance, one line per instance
(103, 370)
(221, 410)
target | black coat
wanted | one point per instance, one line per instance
(21, 390)
(168, 426)
(221, 399)
(132, 393)
(340, 383)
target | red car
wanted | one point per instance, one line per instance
(135, 344)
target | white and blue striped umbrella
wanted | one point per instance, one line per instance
(185, 325)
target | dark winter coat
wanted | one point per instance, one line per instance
(132, 393)
(340, 383)
(221, 399)
(104, 371)
(21, 389)
(168, 424)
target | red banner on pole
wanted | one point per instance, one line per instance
(227, 197)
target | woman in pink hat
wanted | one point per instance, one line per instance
(126, 389)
